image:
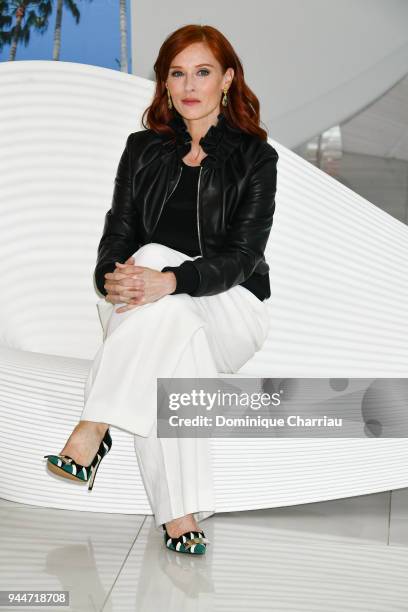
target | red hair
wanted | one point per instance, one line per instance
(242, 110)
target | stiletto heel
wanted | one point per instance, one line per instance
(193, 542)
(65, 466)
(94, 469)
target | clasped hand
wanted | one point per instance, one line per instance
(137, 285)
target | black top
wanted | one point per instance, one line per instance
(177, 229)
(177, 226)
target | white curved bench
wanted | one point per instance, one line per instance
(338, 305)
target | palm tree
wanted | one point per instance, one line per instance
(37, 13)
(28, 14)
(123, 37)
(72, 7)
(5, 23)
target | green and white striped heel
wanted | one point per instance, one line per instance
(193, 542)
(65, 466)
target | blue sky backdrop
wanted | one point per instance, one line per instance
(95, 40)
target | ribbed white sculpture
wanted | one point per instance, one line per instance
(338, 305)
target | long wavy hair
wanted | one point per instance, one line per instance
(242, 110)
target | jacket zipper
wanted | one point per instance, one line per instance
(166, 197)
(198, 213)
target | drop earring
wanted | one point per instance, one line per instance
(224, 98)
(169, 102)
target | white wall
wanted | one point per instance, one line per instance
(312, 63)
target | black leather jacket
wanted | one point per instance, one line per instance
(235, 201)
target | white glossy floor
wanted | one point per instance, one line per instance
(349, 554)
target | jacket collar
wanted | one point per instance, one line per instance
(218, 142)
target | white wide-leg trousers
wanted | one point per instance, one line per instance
(177, 336)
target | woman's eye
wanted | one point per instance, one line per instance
(176, 72)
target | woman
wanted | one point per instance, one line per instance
(182, 252)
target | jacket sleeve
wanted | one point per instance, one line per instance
(246, 238)
(119, 237)
(187, 277)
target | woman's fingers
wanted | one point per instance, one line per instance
(127, 268)
(121, 295)
(125, 278)
(126, 286)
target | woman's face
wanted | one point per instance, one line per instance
(195, 74)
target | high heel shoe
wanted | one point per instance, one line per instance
(65, 466)
(189, 542)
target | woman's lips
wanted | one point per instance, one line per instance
(190, 103)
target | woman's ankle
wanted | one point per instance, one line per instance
(100, 427)
(180, 525)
